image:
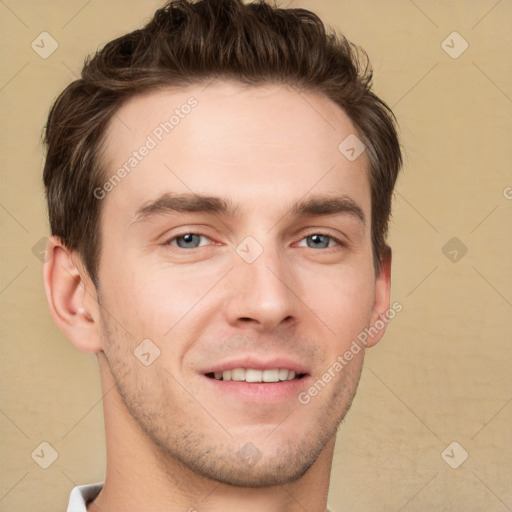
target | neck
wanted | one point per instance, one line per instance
(140, 477)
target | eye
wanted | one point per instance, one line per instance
(320, 241)
(188, 241)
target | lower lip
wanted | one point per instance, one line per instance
(260, 392)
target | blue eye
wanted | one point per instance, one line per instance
(194, 240)
(187, 241)
(319, 241)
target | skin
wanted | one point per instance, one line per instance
(174, 440)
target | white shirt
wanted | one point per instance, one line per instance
(83, 494)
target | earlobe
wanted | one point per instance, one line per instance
(71, 297)
(379, 317)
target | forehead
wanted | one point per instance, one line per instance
(229, 140)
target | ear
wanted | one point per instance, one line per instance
(72, 297)
(380, 313)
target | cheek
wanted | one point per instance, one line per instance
(149, 300)
(342, 301)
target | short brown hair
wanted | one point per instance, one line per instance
(189, 42)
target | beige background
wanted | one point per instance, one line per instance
(442, 372)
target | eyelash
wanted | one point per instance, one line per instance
(326, 249)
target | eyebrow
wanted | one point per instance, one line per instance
(195, 203)
(184, 203)
(328, 205)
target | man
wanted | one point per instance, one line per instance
(219, 186)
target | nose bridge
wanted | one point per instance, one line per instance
(261, 285)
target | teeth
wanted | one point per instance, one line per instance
(253, 375)
(283, 374)
(271, 375)
(238, 374)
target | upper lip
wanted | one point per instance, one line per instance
(257, 363)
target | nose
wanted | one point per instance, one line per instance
(262, 295)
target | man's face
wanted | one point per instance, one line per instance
(259, 285)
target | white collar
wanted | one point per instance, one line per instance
(81, 495)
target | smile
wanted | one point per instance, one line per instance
(254, 375)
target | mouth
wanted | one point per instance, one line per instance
(254, 381)
(254, 375)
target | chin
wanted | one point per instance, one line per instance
(289, 465)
